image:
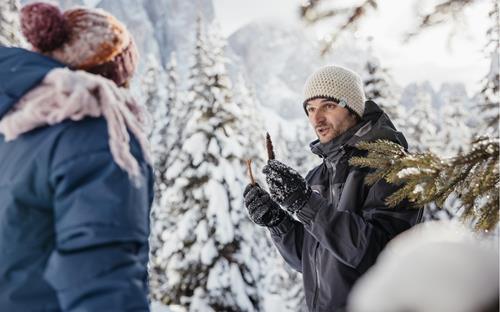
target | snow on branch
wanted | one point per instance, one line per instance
(426, 178)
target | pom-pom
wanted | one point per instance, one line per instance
(44, 26)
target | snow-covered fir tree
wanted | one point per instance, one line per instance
(10, 30)
(161, 99)
(455, 134)
(421, 124)
(158, 105)
(164, 101)
(284, 288)
(177, 112)
(380, 88)
(281, 287)
(453, 138)
(209, 256)
(251, 123)
(489, 97)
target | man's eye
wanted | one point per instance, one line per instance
(310, 109)
(330, 106)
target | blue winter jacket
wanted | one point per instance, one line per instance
(73, 227)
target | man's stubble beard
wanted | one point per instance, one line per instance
(335, 131)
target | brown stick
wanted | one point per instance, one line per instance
(269, 146)
(250, 173)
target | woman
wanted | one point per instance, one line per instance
(75, 183)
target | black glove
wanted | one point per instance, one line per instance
(261, 208)
(288, 188)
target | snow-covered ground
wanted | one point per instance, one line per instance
(434, 267)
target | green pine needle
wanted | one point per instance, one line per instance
(425, 178)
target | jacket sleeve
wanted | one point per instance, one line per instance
(359, 226)
(288, 237)
(101, 222)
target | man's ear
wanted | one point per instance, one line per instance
(305, 108)
(355, 116)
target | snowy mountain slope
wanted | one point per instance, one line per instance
(162, 26)
(278, 58)
(174, 23)
(410, 92)
(438, 97)
(134, 16)
(456, 91)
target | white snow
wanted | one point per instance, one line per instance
(195, 145)
(434, 267)
(418, 189)
(218, 207)
(209, 252)
(199, 302)
(238, 287)
(408, 172)
(159, 307)
(217, 278)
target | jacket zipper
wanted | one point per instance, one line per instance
(331, 173)
(330, 194)
(317, 284)
(330, 180)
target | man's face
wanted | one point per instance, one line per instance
(328, 119)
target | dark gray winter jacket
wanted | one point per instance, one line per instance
(345, 223)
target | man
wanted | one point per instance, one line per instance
(331, 225)
(75, 187)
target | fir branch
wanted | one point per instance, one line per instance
(425, 178)
(407, 191)
(488, 214)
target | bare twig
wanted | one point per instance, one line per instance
(312, 13)
(269, 146)
(440, 14)
(250, 173)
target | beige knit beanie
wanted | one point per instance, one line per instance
(339, 84)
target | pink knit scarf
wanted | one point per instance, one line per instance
(66, 94)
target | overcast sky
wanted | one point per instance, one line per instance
(427, 57)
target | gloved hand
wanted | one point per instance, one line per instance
(261, 208)
(287, 187)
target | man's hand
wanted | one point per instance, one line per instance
(261, 208)
(288, 188)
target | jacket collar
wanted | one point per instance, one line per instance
(374, 125)
(20, 71)
(329, 149)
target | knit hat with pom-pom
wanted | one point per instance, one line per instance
(88, 39)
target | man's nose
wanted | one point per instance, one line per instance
(318, 116)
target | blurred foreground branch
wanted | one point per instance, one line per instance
(425, 178)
